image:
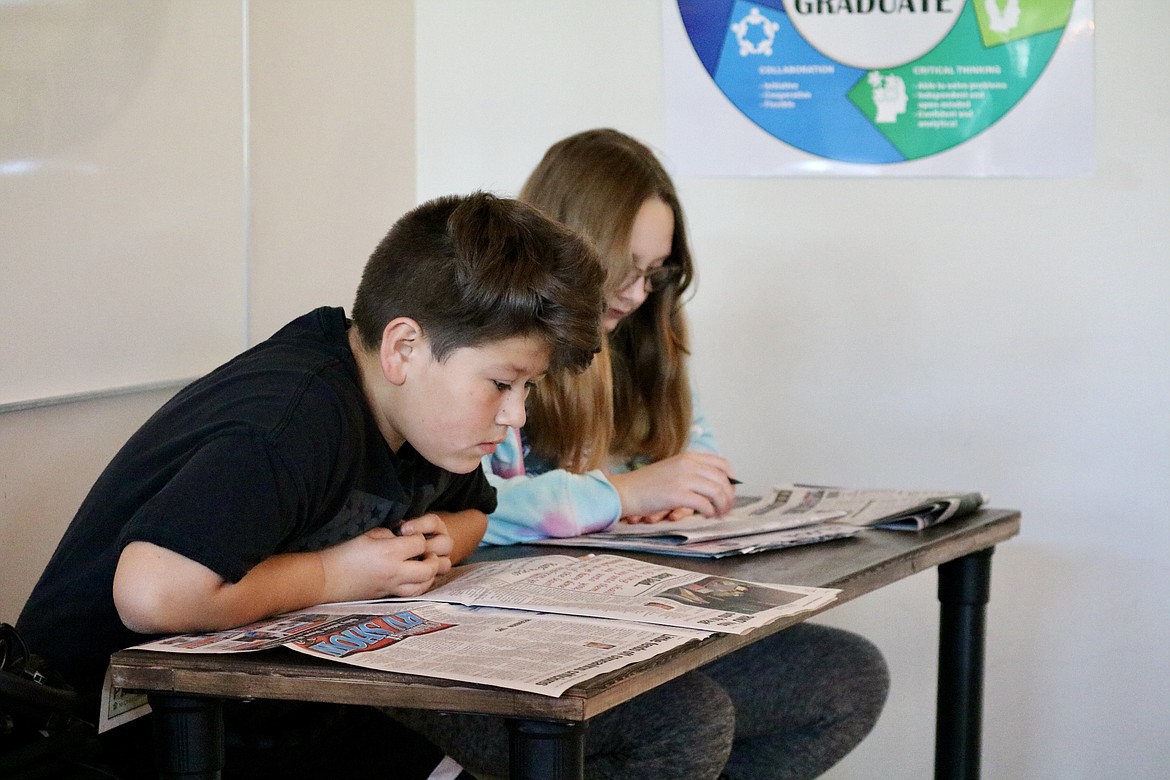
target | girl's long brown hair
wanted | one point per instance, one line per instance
(635, 398)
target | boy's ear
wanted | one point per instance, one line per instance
(401, 341)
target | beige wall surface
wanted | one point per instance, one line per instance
(49, 458)
(331, 157)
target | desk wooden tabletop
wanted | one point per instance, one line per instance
(857, 566)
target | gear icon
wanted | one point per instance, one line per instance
(765, 26)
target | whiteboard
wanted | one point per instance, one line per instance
(123, 193)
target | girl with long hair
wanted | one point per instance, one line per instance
(624, 439)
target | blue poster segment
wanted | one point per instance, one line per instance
(706, 21)
(818, 117)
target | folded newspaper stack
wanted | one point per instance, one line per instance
(793, 515)
(899, 510)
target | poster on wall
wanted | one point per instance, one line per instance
(879, 87)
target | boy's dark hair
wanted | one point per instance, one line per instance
(477, 268)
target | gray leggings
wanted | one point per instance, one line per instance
(788, 706)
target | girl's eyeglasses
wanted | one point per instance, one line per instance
(652, 278)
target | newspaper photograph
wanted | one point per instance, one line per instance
(611, 586)
(544, 654)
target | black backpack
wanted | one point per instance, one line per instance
(42, 733)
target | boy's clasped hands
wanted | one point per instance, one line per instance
(382, 562)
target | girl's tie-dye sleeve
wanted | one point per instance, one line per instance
(554, 504)
(701, 439)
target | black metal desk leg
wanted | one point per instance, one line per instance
(540, 750)
(964, 587)
(188, 737)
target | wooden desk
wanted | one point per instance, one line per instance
(547, 734)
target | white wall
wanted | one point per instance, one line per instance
(1031, 360)
(121, 149)
(329, 166)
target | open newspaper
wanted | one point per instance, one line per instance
(616, 587)
(793, 515)
(538, 624)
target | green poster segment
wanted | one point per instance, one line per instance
(960, 88)
(1001, 21)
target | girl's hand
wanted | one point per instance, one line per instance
(698, 481)
(658, 517)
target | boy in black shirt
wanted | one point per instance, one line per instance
(335, 461)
